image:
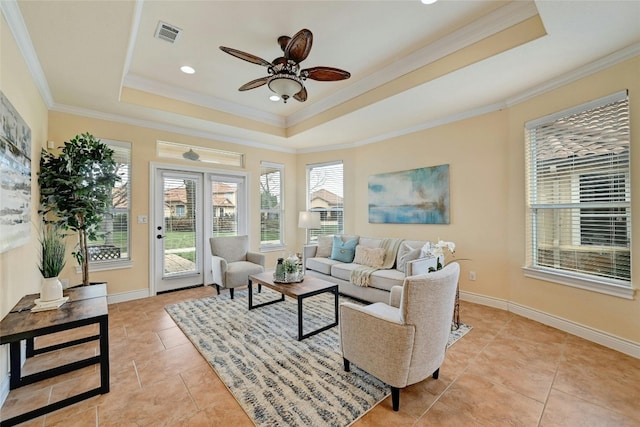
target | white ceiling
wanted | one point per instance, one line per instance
(86, 54)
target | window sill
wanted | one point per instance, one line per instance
(107, 265)
(272, 248)
(602, 287)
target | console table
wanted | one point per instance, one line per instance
(86, 305)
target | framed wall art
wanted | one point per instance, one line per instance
(416, 196)
(15, 177)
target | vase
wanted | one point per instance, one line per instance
(51, 289)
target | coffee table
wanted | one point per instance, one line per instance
(309, 287)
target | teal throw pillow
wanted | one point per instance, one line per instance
(343, 251)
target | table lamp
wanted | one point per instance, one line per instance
(309, 221)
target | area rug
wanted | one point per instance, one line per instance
(278, 380)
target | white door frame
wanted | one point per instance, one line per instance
(243, 198)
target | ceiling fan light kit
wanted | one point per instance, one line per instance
(285, 77)
(285, 85)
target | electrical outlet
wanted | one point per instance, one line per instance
(472, 276)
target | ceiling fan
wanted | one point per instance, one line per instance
(285, 76)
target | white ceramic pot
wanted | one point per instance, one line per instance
(51, 289)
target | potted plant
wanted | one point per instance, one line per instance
(52, 260)
(76, 189)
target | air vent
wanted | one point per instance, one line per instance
(167, 32)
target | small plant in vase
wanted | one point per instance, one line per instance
(291, 269)
(52, 261)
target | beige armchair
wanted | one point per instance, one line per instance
(402, 342)
(232, 263)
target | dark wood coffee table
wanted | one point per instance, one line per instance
(309, 287)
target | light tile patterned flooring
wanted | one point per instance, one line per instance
(507, 371)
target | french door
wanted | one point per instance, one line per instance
(190, 206)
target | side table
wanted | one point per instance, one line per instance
(86, 306)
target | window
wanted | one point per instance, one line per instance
(579, 198)
(271, 206)
(115, 226)
(324, 194)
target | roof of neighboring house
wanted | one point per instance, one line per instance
(327, 196)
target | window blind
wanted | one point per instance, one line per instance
(578, 169)
(325, 189)
(271, 206)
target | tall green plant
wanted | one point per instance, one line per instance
(76, 190)
(52, 251)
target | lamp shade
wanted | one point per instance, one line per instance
(285, 85)
(309, 220)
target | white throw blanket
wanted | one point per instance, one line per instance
(361, 276)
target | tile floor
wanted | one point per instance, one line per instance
(508, 371)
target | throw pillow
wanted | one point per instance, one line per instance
(325, 243)
(371, 257)
(343, 251)
(405, 254)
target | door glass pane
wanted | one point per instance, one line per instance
(179, 205)
(224, 200)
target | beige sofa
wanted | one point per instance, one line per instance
(407, 262)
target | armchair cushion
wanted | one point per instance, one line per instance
(406, 344)
(232, 263)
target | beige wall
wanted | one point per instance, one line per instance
(63, 126)
(615, 316)
(476, 152)
(487, 182)
(19, 273)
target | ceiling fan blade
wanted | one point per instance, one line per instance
(325, 74)
(299, 46)
(246, 56)
(301, 96)
(283, 41)
(254, 83)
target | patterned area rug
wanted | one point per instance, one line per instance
(278, 380)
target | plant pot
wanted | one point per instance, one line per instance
(51, 289)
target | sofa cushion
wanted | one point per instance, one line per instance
(405, 254)
(343, 270)
(343, 251)
(325, 243)
(386, 279)
(371, 257)
(321, 264)
(369, 242)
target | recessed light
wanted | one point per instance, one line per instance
(428, 1)
(187, 69)
(274, 98)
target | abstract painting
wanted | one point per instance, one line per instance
(416, 196)
(15, 177)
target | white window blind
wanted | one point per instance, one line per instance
(271, 206)
(325, 189)
(579, 198)
(113, 244)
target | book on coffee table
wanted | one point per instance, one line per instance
(48, 305)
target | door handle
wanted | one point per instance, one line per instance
(159, 236)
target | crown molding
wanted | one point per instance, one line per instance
(15, 21)
(133, 36)
(487, 25)
(83, 112)
(158, 88)
(574, 75)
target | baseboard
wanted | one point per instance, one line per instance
(599, 337)
(127, 296)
